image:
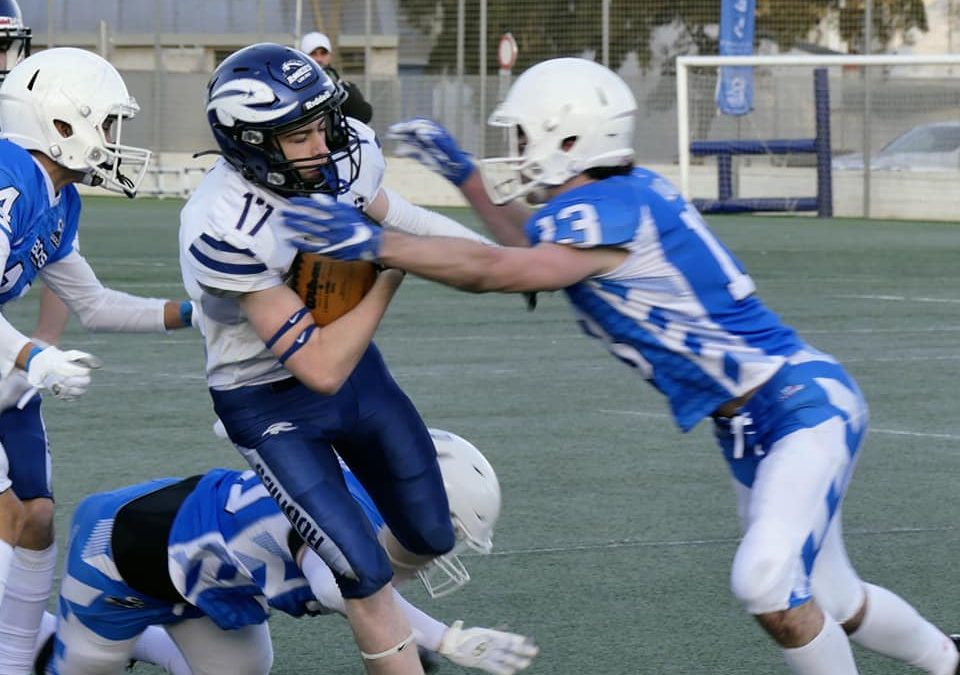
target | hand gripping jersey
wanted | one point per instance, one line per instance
(680, 309)
(232, 242)
(37, 226)
(230, 552)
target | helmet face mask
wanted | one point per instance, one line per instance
(14, 37)
(262, 92)
(473, 492)
(70, 105)
(562, 117)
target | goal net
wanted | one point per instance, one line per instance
(888, 135)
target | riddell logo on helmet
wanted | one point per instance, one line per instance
(314, 102)
(301, 71)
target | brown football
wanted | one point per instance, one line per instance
(330, 288)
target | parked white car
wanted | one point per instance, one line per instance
(928, 147)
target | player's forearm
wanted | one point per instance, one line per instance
(103, 309)
(336, 349)
(406, 217)
(117, 312)
(504, 222)
(455, 262)
(53, 317)
(14, 347)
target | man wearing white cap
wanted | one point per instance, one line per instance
(318, 47)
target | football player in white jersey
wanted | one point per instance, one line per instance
(286, 389)
(62, 113)
(646, 276)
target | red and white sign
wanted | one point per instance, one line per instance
(507, 51)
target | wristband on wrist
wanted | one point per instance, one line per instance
(186, 313)
(33, 352)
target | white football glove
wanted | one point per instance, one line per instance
(65, 373)
(492, 651)
(14, 390)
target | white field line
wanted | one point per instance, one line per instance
(679, 543)
(873, 430)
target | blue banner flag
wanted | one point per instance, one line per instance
(735, 86)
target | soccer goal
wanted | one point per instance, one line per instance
(869, 136)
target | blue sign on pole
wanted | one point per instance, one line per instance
(735, 84)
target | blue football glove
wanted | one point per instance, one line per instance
(430, 144)
(332, 229)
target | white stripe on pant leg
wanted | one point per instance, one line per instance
(788, 505)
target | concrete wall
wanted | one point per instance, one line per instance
(896, 195)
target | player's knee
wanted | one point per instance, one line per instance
(365, 579)
(762, 576)
(432, 536)
(37, 531)
(433, 541)
(258, 663)
(13, 516)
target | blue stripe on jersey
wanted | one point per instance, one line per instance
(668, 371)
(226, 267)
(224, 246)
(689, 245)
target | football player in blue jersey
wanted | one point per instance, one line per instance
(285, 388)
(207, 557)
(646, 276)
(15, 39)
(61, 115)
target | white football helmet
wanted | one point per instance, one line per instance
(83, 90)
(474, 495)
(550, 103)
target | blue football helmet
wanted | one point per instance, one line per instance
(265, 90)
(14, 37)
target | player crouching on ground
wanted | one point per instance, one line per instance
(206, 557)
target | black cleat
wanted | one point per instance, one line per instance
(44, 655)
(429, 659)
(956, 641)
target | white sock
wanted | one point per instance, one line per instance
(827, 654)
(6, 558)
(428, 631)
(21, 612)
(157, 647)
(892, 627)
(322, 583)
